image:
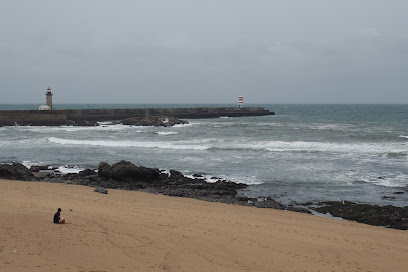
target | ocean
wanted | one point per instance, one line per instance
(304, 153)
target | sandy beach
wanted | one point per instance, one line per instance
(134, 231)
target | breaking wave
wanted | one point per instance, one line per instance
(105, 143)
(166, 133)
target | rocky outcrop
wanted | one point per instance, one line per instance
(157, 121)
(15, 171)
(127, 176)
(386, 216)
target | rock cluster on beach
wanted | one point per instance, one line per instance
(387, 216)
(127, 176)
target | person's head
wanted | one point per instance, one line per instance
(59, 209)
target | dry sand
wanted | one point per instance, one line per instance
(134, 231)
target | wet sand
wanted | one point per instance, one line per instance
(134, 231)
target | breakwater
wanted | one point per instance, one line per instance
(32, 117)
(61, 117)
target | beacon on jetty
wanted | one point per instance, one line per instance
(48, 101)
(240, 101)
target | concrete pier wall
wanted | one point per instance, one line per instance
(32, 117)
(189, 113)
(61, 117)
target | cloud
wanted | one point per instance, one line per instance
(368, 32)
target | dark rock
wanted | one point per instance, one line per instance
(398, 193)
(125, 170)
(37, 168)
(15, 171)
(175, 175)
(158, 121)
(101, 190)
(86, 123)
(86, 172)
(105, 170)
(269, 203)
(386, 216)
(149, 174)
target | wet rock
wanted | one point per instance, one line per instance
(386, 216)
(37, 168)
(86, 172)
(101, 190)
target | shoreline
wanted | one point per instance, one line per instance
(127, 176)
(136, 231)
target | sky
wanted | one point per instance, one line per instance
(204, 51)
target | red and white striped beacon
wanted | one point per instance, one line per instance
(240, 101)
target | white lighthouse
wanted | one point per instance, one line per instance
(48, 101)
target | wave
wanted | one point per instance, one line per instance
(388, 181)
(166, 132)
(105, 143)
(301, 146)
(184, 125)
(403, 136)
(390, 149)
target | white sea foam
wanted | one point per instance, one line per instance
(166, 132)
(301, 146)
(70, 169)
(403, 136)
(62, 169)
(27, 164)
(250, 180)
(184, 125)
(106, 143)
(400, 180)
(117, 127)
(331, 127)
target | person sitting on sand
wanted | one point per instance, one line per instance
(57, 217)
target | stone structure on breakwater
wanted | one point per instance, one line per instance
(62, 117)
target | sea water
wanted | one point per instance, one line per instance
(303, 153)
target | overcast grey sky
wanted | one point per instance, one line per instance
(204, 51)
